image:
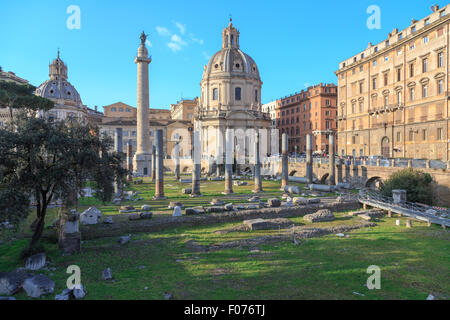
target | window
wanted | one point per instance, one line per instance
(440, 59)
(399, 52)
(386, 100)
(427, 22)
(374, 83)
(399, 74)
(376, 49)
(398, 136)
(361, 69)
(399, 97)
(113, 109)
(400, 36)
(412, 46)
(256, 96)
(424, 91)
(361, 87)
(215, 94)
(411, 70)
(413, 29)
(353, 107)
(425, 65)
(440, 86)
(411, 94)
(440, 32)
(442, 14)
(424, 134)
(439, 134)
(361, 106)
(387, 43)
(386, 79)
(411, 135)
(386, 58)
(120, 109)
(375, 63)
(425, 39)
(237, 93)
(128, 110)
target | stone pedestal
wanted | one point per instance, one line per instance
(399, 196)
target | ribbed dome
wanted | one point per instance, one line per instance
(59, 89)
(231, 61)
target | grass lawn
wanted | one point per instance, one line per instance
(414, 262)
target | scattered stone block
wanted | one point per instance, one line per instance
(38, 286)
(177, 212)
(215, 209)
(146, 215)
(194, 211)
(254, 199)
(313, 200)
(274, 203)
(408, 223)
(365, 217)
(300, 201)
(79, 292)
(293, 189)
(127, 209)
(186, 191)
(217, 202)
(36, 262)
(90, 216)
(174, 204)
(320, 216)
(108, 220)
(228, 207)
(124, 239)
(116, 201)
(11, 282)
(145, 207)
(397, 222)
(185, 180)
(107, 274)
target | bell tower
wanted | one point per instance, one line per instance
(230, 36)
(57, 69)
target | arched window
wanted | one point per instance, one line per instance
(256, 95)
(237, 93)
(215, 94)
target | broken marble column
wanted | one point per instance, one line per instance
(196, 165)
(332, 164)
(153, 163)
(130, 160)
(177, 160)
(284, 161)
(229, 162)
(309, 159)
(159, 178)
(118, 147)
(257, 169)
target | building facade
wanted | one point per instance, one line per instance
(184, 109)
(393, 96)
(271, 109)
(311, 111)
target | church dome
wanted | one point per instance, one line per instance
(57, 87)
(230, 60)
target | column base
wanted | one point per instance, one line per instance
(159, 198)
(227, 192)
(195, 195)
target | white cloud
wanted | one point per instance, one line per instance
(181, 27)
(194, 39)
(162, 31)
(174, 46)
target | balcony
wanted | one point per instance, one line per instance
(387, 108)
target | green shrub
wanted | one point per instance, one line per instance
(415, 182)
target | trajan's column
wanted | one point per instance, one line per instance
(142, 157)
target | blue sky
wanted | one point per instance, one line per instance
(295, 43)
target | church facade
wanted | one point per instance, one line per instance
(231, 99)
